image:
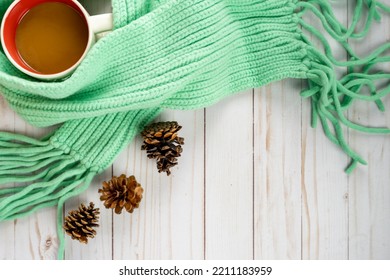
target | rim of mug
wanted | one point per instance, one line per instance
(41, 76)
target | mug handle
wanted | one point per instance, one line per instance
(101, 23)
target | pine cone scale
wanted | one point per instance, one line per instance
(168, 134)
(75, 234)
(79, 223)
(121, 192)
(162, 143)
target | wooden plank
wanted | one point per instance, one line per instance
(277, 167)
(7, 229)
(370, 186)
(324, 184)
(229, 178)
(169, 222)
(190, 216)
(35, 235)
(101, 246)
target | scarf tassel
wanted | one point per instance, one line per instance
(54, 177)
(332, 96)
(47, 174)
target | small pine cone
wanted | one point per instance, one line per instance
(79, 223)
(162, 143)
(121, 192)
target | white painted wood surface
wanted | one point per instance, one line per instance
(324, 187)
(255, 181)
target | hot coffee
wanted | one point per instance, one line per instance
(51, 37)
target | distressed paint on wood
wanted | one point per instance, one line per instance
(169, 222)
(7, 229)
(35, 238)
(369, 186)
(216, 204)
(99, 248)
(324, 185)
(229, 179)
(277, 116)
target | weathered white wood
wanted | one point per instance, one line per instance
(324, 185)
(7, 229)
(370, 185)
(254, 181)
(370, 193)
(277, 167)
(100, 247)
(169, 222)
(229, 178)
(35, 235)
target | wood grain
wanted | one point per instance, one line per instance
(169, 222)
(277, 117)
(324, 185)
(7, 229)
(34, 237)
(370, 185)
(255, 181)
(99, 248)
(229, 179)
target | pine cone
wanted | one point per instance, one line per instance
(121, 192)
(79, 223)
(162, 143)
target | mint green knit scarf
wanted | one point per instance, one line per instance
(177, 54)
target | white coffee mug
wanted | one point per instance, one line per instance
(19, 8)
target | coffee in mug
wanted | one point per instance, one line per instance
(48, 39)
(51, 37)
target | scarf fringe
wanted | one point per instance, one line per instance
(53, 178)
(330, 96)
(50, 175)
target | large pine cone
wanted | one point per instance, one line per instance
(162, 143)
(121, 192)
(79, 223)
